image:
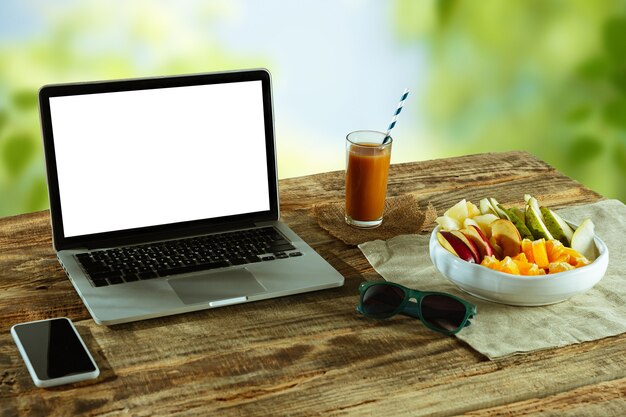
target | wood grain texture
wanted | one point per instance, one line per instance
(310, 354)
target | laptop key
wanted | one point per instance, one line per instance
(279, 241)
(97, 268)
(107, 274)
(147, 275)
(281, 248)
(116, 280)
(131, 277)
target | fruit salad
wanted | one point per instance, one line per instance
(532, 241)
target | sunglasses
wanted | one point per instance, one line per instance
(439, 311)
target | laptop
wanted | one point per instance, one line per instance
(164, 195)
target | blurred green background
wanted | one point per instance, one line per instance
(546, 76)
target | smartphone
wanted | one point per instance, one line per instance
(54, 352)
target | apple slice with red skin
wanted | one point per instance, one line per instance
(446, 245)
(469, 243)
(480, 240)
(455, 246)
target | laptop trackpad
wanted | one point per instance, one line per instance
(216, 286)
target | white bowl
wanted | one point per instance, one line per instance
(488, 284)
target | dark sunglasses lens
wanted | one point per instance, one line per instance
(443, 312)
(381, 300)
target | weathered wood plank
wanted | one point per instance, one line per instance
(605, 399)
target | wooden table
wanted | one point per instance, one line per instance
(307, 354)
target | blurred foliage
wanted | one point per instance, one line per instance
(91, 41)
(546, 76)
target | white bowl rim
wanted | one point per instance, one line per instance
(601, 246)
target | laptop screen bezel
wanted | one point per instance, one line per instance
(165, 231)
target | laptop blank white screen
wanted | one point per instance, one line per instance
(151, 157)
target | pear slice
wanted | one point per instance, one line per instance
(534, 220)
(519, 223)
(485, 207)
(583, 240)
(497, 209)
(557, 226)
(519, 213)
(567, 229)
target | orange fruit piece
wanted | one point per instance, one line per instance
(527, 249)
(572, 253)
(573, 256)
(535, 270)
(559, 267)
(506, 265)
(540, 254)
(509, 266)
(489, 262)
(561, 258)
(554, 248)
(582, 261)
(522, 263)
(520, 258)
(525, 267)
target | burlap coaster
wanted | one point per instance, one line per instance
(402, 216)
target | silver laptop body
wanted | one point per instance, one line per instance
(134, 163)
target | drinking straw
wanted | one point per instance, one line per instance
(395, 115)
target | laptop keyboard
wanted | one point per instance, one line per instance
(134, 263)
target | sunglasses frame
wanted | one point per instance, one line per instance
(414, 309)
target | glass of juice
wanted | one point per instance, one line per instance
(367, 167)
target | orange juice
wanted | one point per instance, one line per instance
(366, 182)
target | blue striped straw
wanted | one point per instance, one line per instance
(395, 116)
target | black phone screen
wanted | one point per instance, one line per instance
(54, 349)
